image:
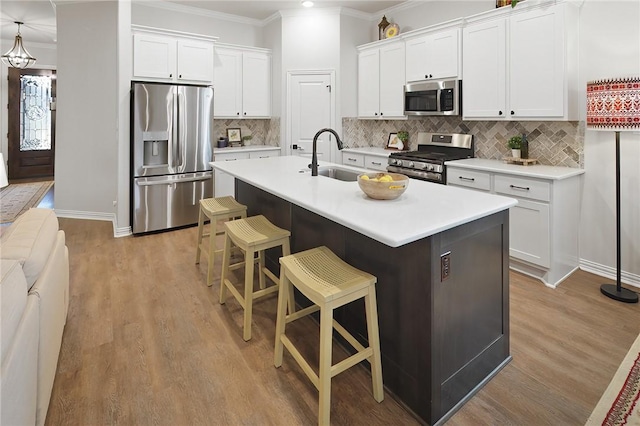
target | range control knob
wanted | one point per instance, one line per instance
(411, 164)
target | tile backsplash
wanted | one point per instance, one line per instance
(264, 132)
(556, 143)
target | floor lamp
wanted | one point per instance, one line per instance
(614, 105)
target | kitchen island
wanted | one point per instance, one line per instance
(441, 256)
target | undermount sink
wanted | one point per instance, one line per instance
(339, 174)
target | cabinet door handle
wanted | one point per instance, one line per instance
(512, 113)
(426, 76)
(230, 159)
(180, 76)
(430, 76)
(376, 163)
(351, 159)
(381, 114)
(466, 179)
(376, 113)
(522, 188)
(237, 113)
(499, 112)
(244, 113)
(170, 75)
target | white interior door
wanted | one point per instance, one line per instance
(310, 109)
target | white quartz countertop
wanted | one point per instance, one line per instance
(369, 150)
(248, 148)
(423, 210)
(535, 171)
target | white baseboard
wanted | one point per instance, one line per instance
(109, 217)
(609, 272)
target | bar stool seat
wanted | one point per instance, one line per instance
(215, 209)
(329, 283)
(252, 235)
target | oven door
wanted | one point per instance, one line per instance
(417, 174)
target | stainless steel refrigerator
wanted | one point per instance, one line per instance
(171, 146)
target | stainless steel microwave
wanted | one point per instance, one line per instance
(435, 97)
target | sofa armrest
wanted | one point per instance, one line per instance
(52, 290)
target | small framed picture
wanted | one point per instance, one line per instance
(234, 135)
(394, 142)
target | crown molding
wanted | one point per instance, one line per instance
(410, 4)
(174, 7)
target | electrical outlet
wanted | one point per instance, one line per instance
(445, 266)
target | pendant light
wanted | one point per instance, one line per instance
(18, 57)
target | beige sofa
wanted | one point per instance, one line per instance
(34, 264)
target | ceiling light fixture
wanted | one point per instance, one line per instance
(18, 57)
(307, 3)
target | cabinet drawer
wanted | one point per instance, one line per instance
(375, 162)
(264, 154)
(523, 187)
(350, 159)
(231, 156)
(469, 179)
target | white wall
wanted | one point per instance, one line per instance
(45, 55)
(610, 47)
(86, 170)
(353, 32)
(415, 15)
(228, 31)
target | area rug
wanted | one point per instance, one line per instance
(620, 403)
(17, 198)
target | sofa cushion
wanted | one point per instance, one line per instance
(29, 240)
(13, 300)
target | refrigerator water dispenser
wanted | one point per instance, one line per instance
(156, 153)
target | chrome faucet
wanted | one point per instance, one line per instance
(314, 156)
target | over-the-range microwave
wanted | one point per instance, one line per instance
(434, 97)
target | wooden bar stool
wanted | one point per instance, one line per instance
(252, 235)
(329, 283)
(216, 209)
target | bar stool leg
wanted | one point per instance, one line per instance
(200, 230)
(281, 316)
(374, 342)
(291, 301)
(324, 376)
(212, 250)
(225, 268)
(261, 274)
(248, 295)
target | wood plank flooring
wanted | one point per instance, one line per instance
(146, 342)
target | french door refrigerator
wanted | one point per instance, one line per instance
(171, 146)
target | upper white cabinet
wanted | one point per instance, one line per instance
(381, 79)
(172, 58)
(242, 82)
(433, 55)
(518, 64)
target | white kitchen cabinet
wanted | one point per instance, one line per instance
(170, 58)
(433, 56)
(224, 184)
(368, 158)
(519, 64)
(381, 79)
(543, 226)
(242, 82)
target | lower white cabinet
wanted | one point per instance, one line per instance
(364, 160)
(543, 226)
(224, 184)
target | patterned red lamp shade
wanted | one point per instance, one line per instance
(614, 104)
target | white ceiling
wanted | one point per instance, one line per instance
(40, 22)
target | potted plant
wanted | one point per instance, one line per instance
(515, 143)
(404, 137)
(246, 139)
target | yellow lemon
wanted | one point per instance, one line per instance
(364, 177)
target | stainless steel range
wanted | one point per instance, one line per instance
(427, 163)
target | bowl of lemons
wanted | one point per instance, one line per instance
(383, 186)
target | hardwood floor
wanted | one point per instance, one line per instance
(146, 342)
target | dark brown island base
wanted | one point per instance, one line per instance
(443, 300)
